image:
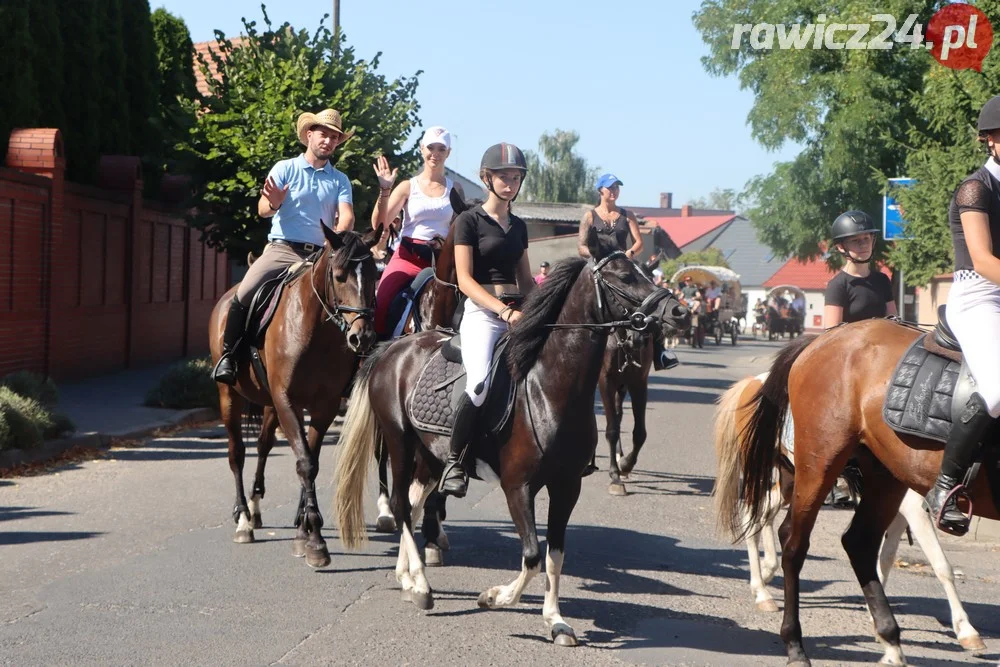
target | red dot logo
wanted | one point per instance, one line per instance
(960, 36)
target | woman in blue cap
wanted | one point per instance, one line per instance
(607, 219)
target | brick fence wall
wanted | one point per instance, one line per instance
(95, 279)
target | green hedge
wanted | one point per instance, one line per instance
(26, 411)
(187, 384)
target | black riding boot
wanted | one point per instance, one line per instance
(959, 452)
(225, 370)
(454, 480)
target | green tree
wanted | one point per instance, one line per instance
(141, 82)
(80, 27)
(719, 199)
(249, 118)
(556, 173)
(852, 110)
(114, 121)
(174, 58)
(710, 256)
(21, 101)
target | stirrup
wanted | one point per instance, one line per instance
(959, 492)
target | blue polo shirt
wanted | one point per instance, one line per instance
(313, 195)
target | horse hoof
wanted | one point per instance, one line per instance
(486, 600)
(433, 556)
(769, 606)
(317, 558)
(617, 489)
(563, 635)
(424, 601)
(972, 643)
(257, 523)
(385, 524)
(299, 547)
(243, 537)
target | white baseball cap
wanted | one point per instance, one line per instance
(436, 135)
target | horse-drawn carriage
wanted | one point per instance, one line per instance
(725, 320)
(786, 312)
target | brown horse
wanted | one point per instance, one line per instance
(551, 435)
(627, 361)
(321, 324)
(835, 386)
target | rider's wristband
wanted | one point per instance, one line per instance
(271, 207)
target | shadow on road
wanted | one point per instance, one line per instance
(15, 513)
(28, 537)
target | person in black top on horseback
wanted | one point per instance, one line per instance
(491, 260)
(856, 293)
(973, 313)
(609, 220)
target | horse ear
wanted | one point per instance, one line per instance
(374, 236)
(331, 236)
(594, 244)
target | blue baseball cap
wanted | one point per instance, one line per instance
(607, 180)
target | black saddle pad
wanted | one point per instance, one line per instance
(433, 401)
(406, 301)
(919, 399)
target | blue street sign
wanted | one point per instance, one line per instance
(893, 225)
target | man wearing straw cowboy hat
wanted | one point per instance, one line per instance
(298, 194)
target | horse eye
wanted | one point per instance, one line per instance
(341, 276)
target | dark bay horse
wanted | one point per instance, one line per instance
(835, 386)
(627, 361)
(321, 324)
(552, 436)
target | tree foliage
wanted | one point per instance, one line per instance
(556, 173)
(720, 199)
(852, 110)
(248, 124)
(710, 256)
(176, 87)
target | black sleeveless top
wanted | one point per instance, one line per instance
(620, 229)
(978, 192)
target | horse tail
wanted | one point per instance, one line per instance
(727, 454)
(253, 420)
(358, 438)
(760, 438)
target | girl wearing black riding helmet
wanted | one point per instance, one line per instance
(491, 259)
(857, 292)
(973, 313)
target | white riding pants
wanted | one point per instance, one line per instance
(480, 329)
(974, 316)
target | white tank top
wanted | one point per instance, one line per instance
(426, 217)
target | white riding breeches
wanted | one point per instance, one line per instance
(974, 316)
(480, 330)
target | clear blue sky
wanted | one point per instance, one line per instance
(625, 75)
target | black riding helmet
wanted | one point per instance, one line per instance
(852, 223)
(502, 156)
(989, 117)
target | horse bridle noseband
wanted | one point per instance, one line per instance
(335, 314)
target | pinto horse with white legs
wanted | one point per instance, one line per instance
(548, 440)
(842, 390)
(731, 418)
(320, 324)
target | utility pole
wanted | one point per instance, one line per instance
(336, 27)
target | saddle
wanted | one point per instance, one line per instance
(432, 403)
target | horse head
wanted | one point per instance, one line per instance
(348, 274)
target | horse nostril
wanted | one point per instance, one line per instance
(354, 341)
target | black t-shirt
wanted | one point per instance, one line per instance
(978, 192)
(861, 298)
(495, 255)
(620, 230)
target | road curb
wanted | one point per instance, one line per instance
(51, 449)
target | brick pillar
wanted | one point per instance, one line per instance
(124, 174)
(40, 151)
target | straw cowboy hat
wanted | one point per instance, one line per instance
(328, 118)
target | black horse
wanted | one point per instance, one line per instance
(550, 438)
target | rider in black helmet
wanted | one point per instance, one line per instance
(856, 293)
(490, 259)
(973, 313)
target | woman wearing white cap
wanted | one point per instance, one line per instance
(426, 200)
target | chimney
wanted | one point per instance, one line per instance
(685, 211)
(666, 199)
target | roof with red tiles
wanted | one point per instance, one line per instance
(810, 275)
(684, 230)
(205, 49)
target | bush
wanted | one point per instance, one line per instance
(188, 384)
(34, 386)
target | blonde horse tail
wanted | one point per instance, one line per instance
(358, 438)
(728, 454)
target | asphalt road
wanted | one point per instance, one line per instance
(128, 559)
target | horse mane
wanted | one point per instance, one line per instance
(542, 307)
(354, 249)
